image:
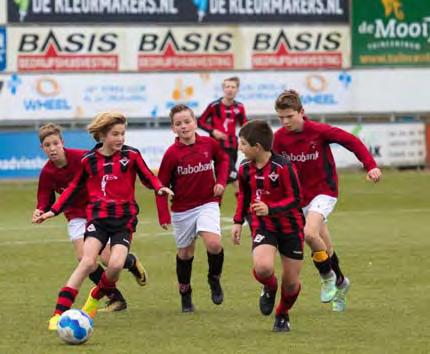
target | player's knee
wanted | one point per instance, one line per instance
(89, 264)
(214, 247)
(263, 270)
(291, 286)
(310, 235)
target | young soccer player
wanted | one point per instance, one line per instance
(270, 191)
(196, 168)
(220, 120)
(307, 145)
(108, 172)
(54, 177)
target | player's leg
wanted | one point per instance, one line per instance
(184, 267)
(291, 250)
(263, 256)
(208, 226)
(342, 282)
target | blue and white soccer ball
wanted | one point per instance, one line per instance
(75, 326)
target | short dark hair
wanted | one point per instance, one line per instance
(289, 99)
(233, 79)
(256, 132)
(179, 108)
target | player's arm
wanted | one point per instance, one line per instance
(221, 168)
(290, 182)
(205, 121)
(352, 143)
(165, 176)
(242, 116)
(242, 206)
(45, 195)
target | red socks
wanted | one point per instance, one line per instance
(66, 298)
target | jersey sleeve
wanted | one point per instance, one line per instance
(242, 116)
(291, 185)
(243, 199)
(221, 163)
(145, 174)
(205, 120)
(45, 192)
(164, 175)
(352, 143)
(66, 198)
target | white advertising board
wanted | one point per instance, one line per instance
(2, 12)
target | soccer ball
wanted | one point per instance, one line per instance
(75, 326)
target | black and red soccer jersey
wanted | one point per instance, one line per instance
(192, 172)
(110, 183)
(225, 119)
(277, 185)
(310, 152)
(54, 179)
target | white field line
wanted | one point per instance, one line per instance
(225, 220)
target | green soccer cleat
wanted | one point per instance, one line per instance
(339, 301)
(53, 322)
(91, 305)
(328, 288)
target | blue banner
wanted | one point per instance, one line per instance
(3, 44)
(22, 157)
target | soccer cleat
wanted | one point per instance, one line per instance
(53, 322)
(339, 301)
(282, 323)
(216, 290)
(138, 271)
(186, 302)
(267, 301)
(91, 305)
(114, 305)
(328, 288)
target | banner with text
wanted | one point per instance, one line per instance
(391, 32)
(179, 11)
(3, 48)
(151, 95)
(68, 49)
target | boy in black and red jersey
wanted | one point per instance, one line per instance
(220, 120)
(188, 166)
(269, 191)
(307, 145)
(54, 178)
(108, 172)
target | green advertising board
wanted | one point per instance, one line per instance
(390, 32)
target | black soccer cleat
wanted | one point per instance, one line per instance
(186, 302)
(282, 323)
(217, 294)
(267, 301)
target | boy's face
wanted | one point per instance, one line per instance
(249, 151)
(114, 139)
(230, 89)
(53, 147)
(184, 125)
(291, 119)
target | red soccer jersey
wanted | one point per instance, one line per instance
(224, 118)
(189, 171)
(110, 183)
(53, 180)
(310, 152)
(277, 185)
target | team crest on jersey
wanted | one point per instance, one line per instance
(236, 110)
(273, 176)
(124, 161)
(91, 228)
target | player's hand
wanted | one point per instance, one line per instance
(260, 208)
(236, 231)
(36, 214)
(218, 190)
(165, 226)
(40, 219)
(374, 175)
(164, 191)
(219, 135)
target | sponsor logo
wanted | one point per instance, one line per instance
(258, 238)
(187, 51)
(13, 84)
(126, 241)
(301, 157)
(91, 228)
(307, 49)
(104, 182)
(273, 176)
(182, 93)
(318, 94)
(297, 252)
(81, 51)
(189, 169)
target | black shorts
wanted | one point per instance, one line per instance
(119, 231)
(289, 245)
(232, 172)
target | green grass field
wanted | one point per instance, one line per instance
(381, 234)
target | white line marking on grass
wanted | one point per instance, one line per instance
(33, 242)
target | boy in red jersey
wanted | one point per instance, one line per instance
(307, 145)
(269, 191)
(188, 166)
(108, 173)
(220, 120)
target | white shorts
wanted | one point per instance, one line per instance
(321, 204)
(187, 224)
(76, 228)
